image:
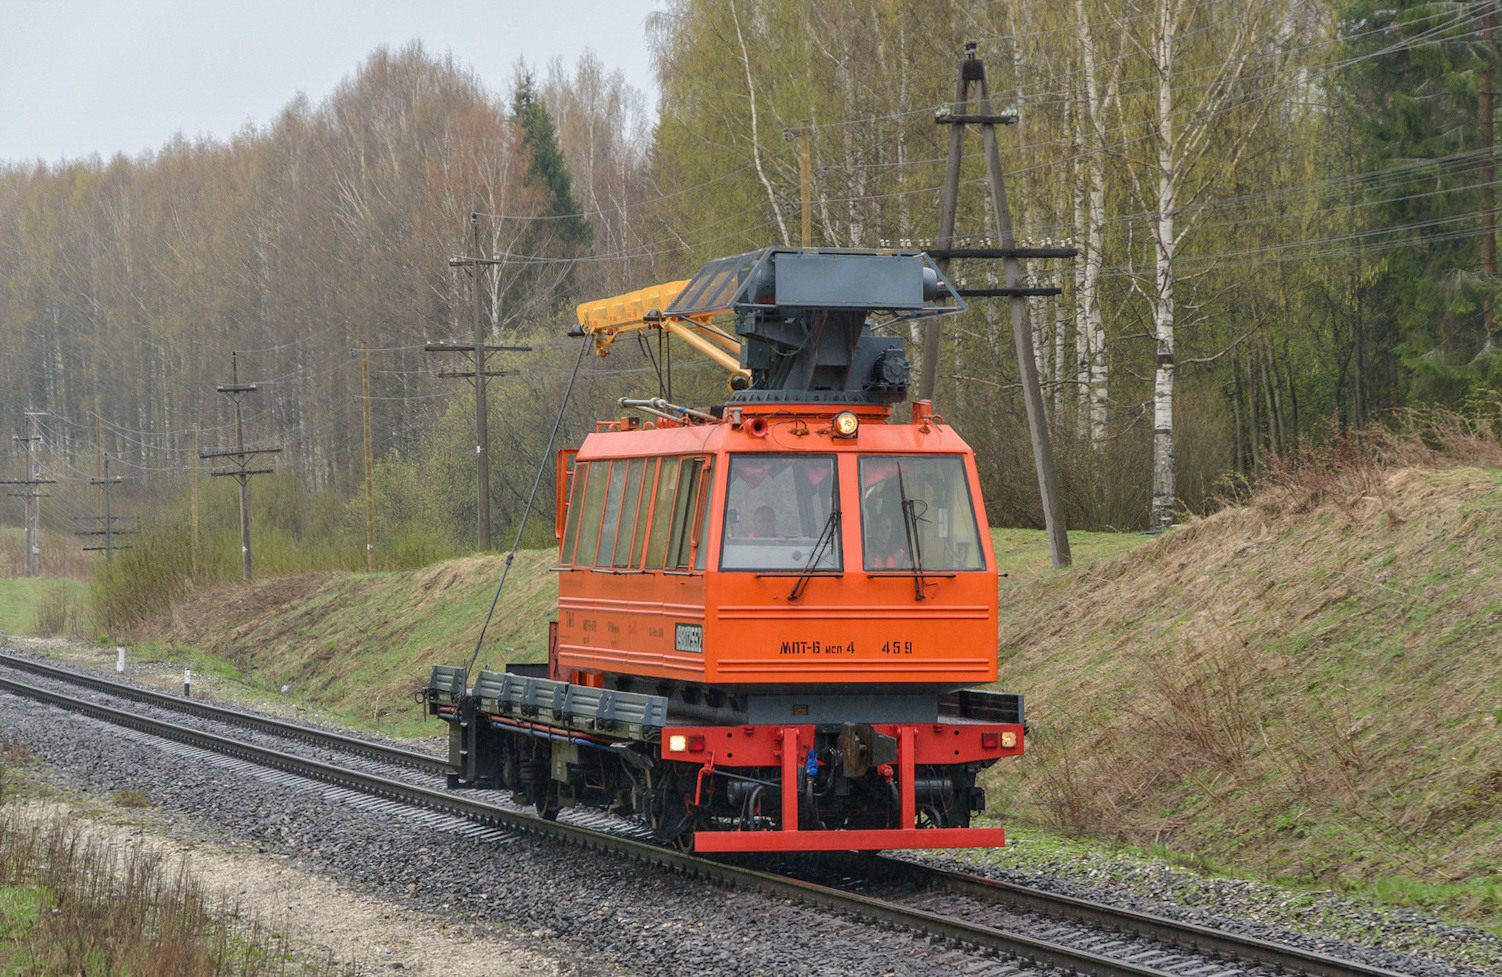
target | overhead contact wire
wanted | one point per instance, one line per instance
(531, 499)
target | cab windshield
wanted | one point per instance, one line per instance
(916, 514)
(777, 509)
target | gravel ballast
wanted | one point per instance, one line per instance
(596, 914)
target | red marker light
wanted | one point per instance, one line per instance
(696, 744)
(989, 740)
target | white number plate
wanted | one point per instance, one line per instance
(689, 638)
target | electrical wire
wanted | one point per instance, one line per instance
(531, 499)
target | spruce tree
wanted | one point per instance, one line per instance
(1413, 89)
(571, 233)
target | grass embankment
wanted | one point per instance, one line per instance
(360, 644)
(1309, 686)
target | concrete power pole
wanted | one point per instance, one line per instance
(32, 494)
(106, 484)
(477, 350)
(973, 73)
(236, 391)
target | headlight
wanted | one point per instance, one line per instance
(677, 744)
(846, 424)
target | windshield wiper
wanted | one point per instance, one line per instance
(825, 542)
(910, 524)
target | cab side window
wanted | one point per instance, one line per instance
(575, 509)
(590, 514)
(639, 514)
(690, 507)
(662, 507)
(633, 516)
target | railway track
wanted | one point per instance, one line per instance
(233, 717)
(941, 904)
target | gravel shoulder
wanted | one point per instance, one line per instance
(326, 920)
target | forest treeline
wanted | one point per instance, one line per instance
(1284, 212)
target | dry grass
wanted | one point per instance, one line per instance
(58, 612)
(1352, 467)
(1307, 684)
(74, 905)
(14, 751)
(360, 644)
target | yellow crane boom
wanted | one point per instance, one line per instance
(605, 319)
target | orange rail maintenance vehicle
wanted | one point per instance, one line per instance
(770, 612)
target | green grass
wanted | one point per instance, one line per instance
(20, 906)
(20, 598)
(1022, 554)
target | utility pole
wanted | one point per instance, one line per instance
(477, 350)
(236, 391)
(99, 447)
(106, 485)
(33, 495)
(193, 556)
(482, 412)
(369, 488)
(805, 176)
(972, 73)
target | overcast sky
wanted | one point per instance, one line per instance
(107, 76)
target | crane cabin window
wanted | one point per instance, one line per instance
(630, 529)
(916, 514)
(689, 511)
(611, 523)
(781, 514)
(575, 508)
(589, 515)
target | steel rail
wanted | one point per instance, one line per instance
(237, 717)
(1202, 939)
(866, 908)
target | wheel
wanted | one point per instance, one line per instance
(546, 804)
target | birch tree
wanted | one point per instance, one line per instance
(1175, 174)
(1095, 108)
